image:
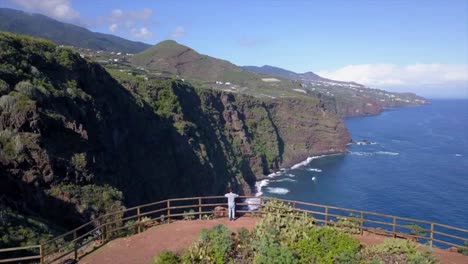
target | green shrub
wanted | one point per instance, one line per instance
(464, 250)
(289, 225)
(4, 87)
(403, 251)
(416, 229)
(350, 224)
(167, 257)
(212, 246)
(188, 215)
(7, 103)
(28, 89)
(325, 244)
(271, 252)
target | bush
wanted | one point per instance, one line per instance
(398, 250)
(212, 246)
(289, 225)
(189, 215)
(464, 250)
(273, 253)
(7, 103)
(325, 245)
(350, 225)
(167, 257)
(4, 87)
(28, 89)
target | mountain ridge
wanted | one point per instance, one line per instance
(306, 76)
(61, 33)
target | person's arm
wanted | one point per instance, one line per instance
(237, 195)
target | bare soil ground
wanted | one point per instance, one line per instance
(177, 236)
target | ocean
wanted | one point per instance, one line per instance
(410, 162)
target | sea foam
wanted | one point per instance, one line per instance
(314, 169)
(387, 153)
(277, 190)
(259, 186)
(307, 161)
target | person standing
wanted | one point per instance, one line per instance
(231, 204)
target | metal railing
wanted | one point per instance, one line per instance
(87, 237)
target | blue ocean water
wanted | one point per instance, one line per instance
(416, 166)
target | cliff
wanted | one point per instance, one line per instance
(77, 142)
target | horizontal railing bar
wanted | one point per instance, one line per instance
(184, 199)
(150, 204)
(377, 222)
(447, 243)
(86, 234)
(413, 220)
(61, 256)
(19, 259)
(450, 227)
(418, 228)
(19, 248)
(452, 236)
(153, 212)
(184, 206)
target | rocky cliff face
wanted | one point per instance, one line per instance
(76, 143)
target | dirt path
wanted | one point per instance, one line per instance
(177, 236)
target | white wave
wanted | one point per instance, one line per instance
(307, 161)
(253, 203)
(285, 180)
(290, 175)
(313, 178)
(458, 155)
(360, 153)
(314, 169)
(277, 190)
(259, 186)
(387, 153)
(361, 143)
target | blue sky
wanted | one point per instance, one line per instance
(395, 44)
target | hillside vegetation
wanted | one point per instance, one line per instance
(77, 142)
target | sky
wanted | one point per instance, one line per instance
(397, 45)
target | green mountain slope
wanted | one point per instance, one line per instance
(63, 33)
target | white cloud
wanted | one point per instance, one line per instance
(415, 76)
(113, 28)
(59, 9)
(122, 16)
(178, 32)
(142, 33)
(131, 21)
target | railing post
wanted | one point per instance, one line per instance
(75, 245)
(432, 235)
(326, 215)
(139, 220)
(362, 223)
(260, 207)
(394, 226)
(168, 211)
(103, 233)
(41, 253)
(199, 208)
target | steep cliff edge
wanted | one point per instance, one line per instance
(76, 142)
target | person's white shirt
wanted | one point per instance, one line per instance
(231, 198)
